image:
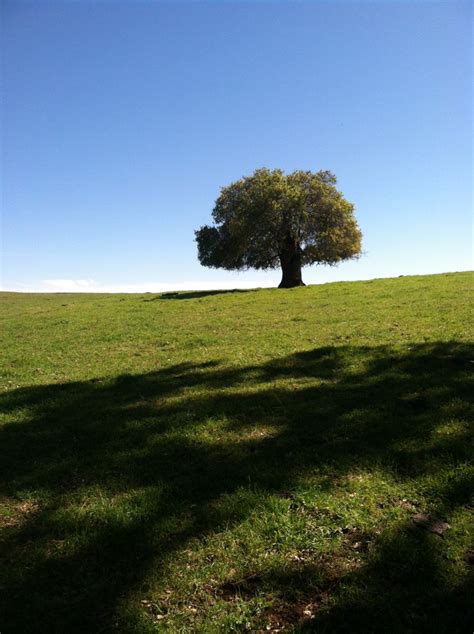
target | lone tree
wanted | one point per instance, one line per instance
(271, 219)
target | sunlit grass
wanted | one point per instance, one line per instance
(245, 461)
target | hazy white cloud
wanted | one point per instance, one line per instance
(69, 285)
(93, 286)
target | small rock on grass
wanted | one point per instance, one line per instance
(430, 523)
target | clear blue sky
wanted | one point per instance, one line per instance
(121, 121)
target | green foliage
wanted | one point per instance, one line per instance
(256, 217)
(238, 461)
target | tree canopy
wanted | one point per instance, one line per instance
(272, 219)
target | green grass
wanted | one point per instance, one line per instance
(238, 461)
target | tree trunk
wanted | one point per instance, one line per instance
(290, 259)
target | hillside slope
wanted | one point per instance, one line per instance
(268, 460)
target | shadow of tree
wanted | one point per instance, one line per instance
(198, 294)
(139, 441)
(403, 588)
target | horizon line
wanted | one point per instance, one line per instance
(92, 287)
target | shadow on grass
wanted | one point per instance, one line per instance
(404, 587)
(139, 444)
(198, 294)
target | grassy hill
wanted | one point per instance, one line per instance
(238, 461)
